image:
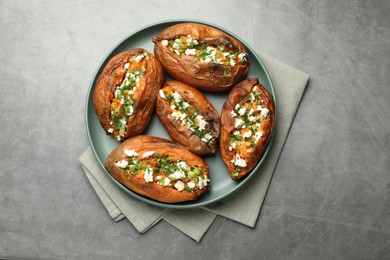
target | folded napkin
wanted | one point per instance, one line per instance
(243, 206)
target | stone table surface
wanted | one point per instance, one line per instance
(330, 194)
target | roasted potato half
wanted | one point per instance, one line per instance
(159, 169)
(188, 116)
(247, 124)
(201, 56)
(125, 93)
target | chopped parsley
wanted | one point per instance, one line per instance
(122, 105)
(189, 116)
(220, 53)
(163, 171)
(248, 115)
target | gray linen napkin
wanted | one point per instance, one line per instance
(289, 84)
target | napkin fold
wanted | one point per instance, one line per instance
(243, 206)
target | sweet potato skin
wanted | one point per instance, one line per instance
(149, 85)
(181, 134)
(204, 76)
(238, 93)
(145, 143)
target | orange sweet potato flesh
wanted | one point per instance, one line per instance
(204, 76)
(142, 144)
(238, 93)
(181, 133)
(113, 75)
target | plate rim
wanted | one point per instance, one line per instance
(195, 204)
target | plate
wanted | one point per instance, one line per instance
(102, 145)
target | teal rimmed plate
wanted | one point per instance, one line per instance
(221, 183)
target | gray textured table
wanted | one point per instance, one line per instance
(330, 194)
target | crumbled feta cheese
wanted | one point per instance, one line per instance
(232, 146)
(123, 121)
(202, 182)
(183, 116)
(254, 88)
(162, 95)
(238, 122)
(122, 100)
(237, 160)
(131, 110)
(195, 42)
(173, 106)
(190, 52)
(176, 96)
(164, 43)
(258, 135)
(199, 117)
(252, 118)
(167, 181)
(237, 106)
(182, 165)
(122, 164)
(242, 111)
(241, 56)
(247, 134)
(158, 177)
(138, 58)
(177, 52)
(126, 66)
(206, 137)
(177, 175)
(110, 130)
(202, 124)
(233, 113)
(264, 111)
(175, 45)
(118, 93)
(148, 175)
(211, 49)
(179, 185)
(130, 153)
(236, 132)
(185, 105)
(178, 115)
(232, 62)
(191, 185)
(148, 154)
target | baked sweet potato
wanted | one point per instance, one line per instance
(159, 169)
(125, 93)
(201, 56)
(247, 124)
(188, 116)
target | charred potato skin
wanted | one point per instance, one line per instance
(148, 87)
(204, 76)
(239, 92)
(181, 134)
(144, 143)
